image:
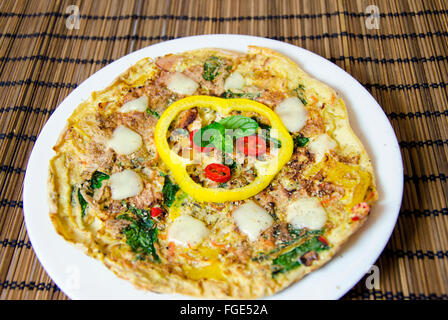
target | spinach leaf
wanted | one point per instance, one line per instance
(301, 141)
(169, 191)
(228, 94)
(153, 113)
(97, 179)
(291, 259)
(296, 236)
(141, 233)
(82, 203)
(211, 68)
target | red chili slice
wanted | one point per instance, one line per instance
(217, 172)
(195, 146)
(251, 145)
(323, 240)
(155, 212)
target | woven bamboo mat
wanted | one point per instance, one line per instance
(403, 64)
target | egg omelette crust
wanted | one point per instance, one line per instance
(309, 210)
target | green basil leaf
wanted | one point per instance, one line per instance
(210, 136)
(242, 126)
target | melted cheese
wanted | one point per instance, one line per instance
(139, 104)
(234, 81)
(320, 145)
(125, 184)
(187, 231)
(252, 219)
(125, 141)
(293, 113)
(181, 84)
(306, 213)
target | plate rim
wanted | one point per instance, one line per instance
(130, 59)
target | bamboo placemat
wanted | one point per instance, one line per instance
(403, 64)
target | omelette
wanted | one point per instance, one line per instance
(211, 173)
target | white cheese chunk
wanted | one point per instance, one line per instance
(252, 219)
(293, 113)
(181, 84)
(139, 104)
(125, 184)
(124, 140)
(320, 145)
(306, 213)
(234, 81)
(187, 231)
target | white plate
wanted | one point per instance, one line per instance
(82, 277)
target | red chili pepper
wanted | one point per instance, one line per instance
(195, 146)
(356, 218)
(251, 145)
(155, 212)
(217, 172)
(323, 240)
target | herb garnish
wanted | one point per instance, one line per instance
(153, 113)
(221, 134)
(300, 92)
(141, 233)
(301, 141)
(169, 191)
(211, 68)
(228, 94)
(97, 179)
(242, 126)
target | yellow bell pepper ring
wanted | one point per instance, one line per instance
(266, 170)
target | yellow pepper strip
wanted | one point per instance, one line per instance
(178, 165)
